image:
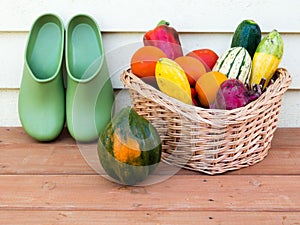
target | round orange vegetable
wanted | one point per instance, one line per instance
(143, 61)
(208, 85)
(192, 67)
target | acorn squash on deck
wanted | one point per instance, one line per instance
(129, 148)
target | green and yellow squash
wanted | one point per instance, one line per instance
(266, 59)
(129, 148)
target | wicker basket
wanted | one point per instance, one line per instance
(209, 140)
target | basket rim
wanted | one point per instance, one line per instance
(279, 87)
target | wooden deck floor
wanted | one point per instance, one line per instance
(52, 184)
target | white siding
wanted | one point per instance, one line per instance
(200, 23)
(138, 15)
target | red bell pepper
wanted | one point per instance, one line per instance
(166, 38)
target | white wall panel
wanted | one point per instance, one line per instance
(137, 15)
(201, 24)
(290, 110)
(12, 47)
(9, 108)
(120, 46)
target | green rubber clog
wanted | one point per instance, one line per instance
(41, 102)
(89, 95)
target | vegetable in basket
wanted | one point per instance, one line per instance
(166, 38)
(247, 35)
(235, 63)
(172, 80)
(266, 59)
(233, 94)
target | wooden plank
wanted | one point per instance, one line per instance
(92, 192)
(19, 154)
(17, 135)
(32, 193)
(41, 159)
(119, 47)
(118, 15)
(286, 137)
(147, 217)
(283, 138)
(278, 161)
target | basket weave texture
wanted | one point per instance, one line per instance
(211, 141)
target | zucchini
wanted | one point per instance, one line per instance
(266, 59)
(247, 35)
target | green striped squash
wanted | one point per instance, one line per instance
(235, 63)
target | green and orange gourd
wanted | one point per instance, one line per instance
(129, 148)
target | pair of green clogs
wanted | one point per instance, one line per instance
(44, 102)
